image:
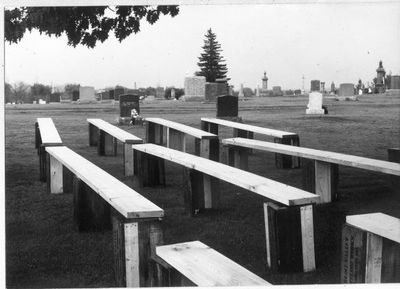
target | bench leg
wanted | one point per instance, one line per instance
(101, 142)
(353, 255)
(210, 149)
(326, 181)
(150, 170)
(56, 176)
(128, 160)
(154, 133)
(321, 178)
(394, 156)
(91, 212)
(93, 135)
(290, 238)
(158, 134)
(42, 163)
(110, 145)
(240, 158)
(67, 181)
(285, 161)
(176, 140)
(373, 259)
(134, 249)
(37, 137)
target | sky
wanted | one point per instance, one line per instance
(331, 42)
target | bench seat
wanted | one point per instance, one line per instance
(325, 174)
(115, 131)
(46, 134)
(104, 135)
(205, 267)
(248, 131)
(270, 189)
(251, 128)
(100, 202)
(288, 211)
(371, 249)
(126, 201)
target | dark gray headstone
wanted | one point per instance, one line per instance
(127, 102)
(75, 95)
(315, 85)
(227, 106)
(118, 91)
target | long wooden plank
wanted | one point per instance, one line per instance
(377, 223)
(206, 267)
(248, 127)
(270, 189)
(197, 133)
(48, 132)
(116, 132)
(125, 200)
(319, 155)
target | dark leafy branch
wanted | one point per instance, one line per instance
(82, 25)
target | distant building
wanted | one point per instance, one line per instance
(263, 91)
(380, 78)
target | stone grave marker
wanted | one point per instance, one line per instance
(215, 89)
(118, 91)
(127, 102)
(315, 103)
(86, 94)
(227, 106)
(346, 89)
(315, 85)
(195, 88)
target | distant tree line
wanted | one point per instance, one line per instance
(21, 92)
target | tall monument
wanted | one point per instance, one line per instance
(380, 78)
(264, 88)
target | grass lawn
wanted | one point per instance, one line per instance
(44, 250)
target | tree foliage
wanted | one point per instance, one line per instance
(211, 63)
(39, 90)
(82, 25)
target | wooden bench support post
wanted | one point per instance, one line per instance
(129, 169)
(150, 132)
(150, 170)
(240, 158)
(55, 175)
(284, 161)
(368, 258)
(68, 177)
(176, 140)
(194, 191)
(321, 178)
(110, 145)
(290, 238)
(37, 137)
(209, 149)
(42, 163)
(91, 212)
(134, 242)
(101, 142)
(394, 156)
(93, 135)
(158, 134)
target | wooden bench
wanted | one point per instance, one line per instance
(288, 211)
(103, 202)
(46, 135)
(248, 131)
(324, 176)
(194, 263)
(105, 136)
(371, 249)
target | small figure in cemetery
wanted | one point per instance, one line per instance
(134, 116)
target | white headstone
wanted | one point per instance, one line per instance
(195, 87)
(315, 103)
(241, 94)
(41, 101)
(86, 93)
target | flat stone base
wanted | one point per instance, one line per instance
(315, 111)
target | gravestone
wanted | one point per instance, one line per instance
(315, 85)
(127, 102)
(215, 89)
(195, 88)
(86, 94)
(227, 106)
(395, 82)
(241, 93)
(346, 89)
(277, 91)
(118, 91)
(41, 101)
(75, 95)
(55, 97)
(315, 103)
(160, 93)
(172, 93)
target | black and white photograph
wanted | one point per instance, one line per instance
(200, 143)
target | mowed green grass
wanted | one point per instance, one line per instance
(43, 249)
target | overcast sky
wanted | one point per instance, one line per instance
(330, 42)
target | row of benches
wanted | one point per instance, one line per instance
(202, 193)
(102, 202)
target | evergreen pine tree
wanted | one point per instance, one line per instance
(210, 62)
